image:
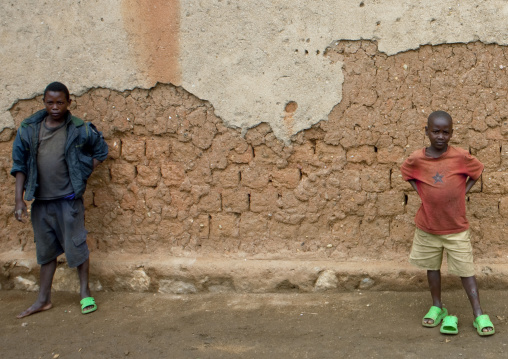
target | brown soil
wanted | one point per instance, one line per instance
(354, 324)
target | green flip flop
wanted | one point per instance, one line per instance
(436, 314)
(449, 325)
(88, 302)
(481, 322)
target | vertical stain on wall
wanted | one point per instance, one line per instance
(154, 27)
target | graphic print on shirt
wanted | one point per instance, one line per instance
(438, 178)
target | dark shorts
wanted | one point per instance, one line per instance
(59, 227)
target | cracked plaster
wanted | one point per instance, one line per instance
(248, 59)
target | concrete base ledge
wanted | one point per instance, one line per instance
(184, 275)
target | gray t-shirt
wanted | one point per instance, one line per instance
(54, 180)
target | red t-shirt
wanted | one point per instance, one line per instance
(441, 184)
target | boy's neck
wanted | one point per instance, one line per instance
(52, 122)
(434, 152)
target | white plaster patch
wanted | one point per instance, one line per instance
(247, 58)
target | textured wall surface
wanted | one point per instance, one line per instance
(178, 180)
(249, 59)
(260, 131)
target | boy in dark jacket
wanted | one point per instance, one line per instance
(54, 154)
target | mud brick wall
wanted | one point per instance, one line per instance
(179, 182)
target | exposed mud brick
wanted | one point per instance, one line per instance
(476, 140)
(288, 177)
(122, 173)
(224, 226)
(329, 179)
(100, 176)
(181, 200)
(284, 234)
(133, 150)
(239, 156)
(304, 154)
(148, 175)
(256, 135)
(376, 231)
(390, 203)
(504, 157)
(255, 177)
(201, 226)
(483, 206)
(349, 179)
(391, 154)
(329, 153)
(264, 201)
(397, 183)
(210, 203)
(347, 231)
(253, 225)
(493, 235)
(495, 182)
(114, 148)
(235, 200)
(173, 173)
(490, 156)
(288, 200)
(306, 189)
(402, 230)
(503, 207)
(157, 148)
(227, 178)
(265, 155)
(199, 191)
(202, 135)
(201, 172)
(169, 230)
(375, 179)
(351, 202)
(103, 197)
(361, 154)
(184, 152)
(288, 217)
(413, 202)
(128, 201)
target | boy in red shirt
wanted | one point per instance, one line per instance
(442, 175)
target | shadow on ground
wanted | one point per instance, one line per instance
(340, 325)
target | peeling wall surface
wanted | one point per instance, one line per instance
(266, 129)
(249, 59)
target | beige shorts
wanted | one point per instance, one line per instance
(427, 252)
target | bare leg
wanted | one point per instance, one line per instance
(44, 299)
(84, 289)
(434, 279)
(469, 284)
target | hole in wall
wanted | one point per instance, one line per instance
(291, 106)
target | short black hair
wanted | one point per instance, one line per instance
(439, 114)
(57, 87)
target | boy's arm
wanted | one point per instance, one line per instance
(96, 162)
(99, 146)
(20, 211)
(470, 183)
(413, 183)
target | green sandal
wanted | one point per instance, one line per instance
(436, 314)
(481, 322)
(449, 325)
(88, 302)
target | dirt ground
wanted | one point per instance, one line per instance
(339, 325)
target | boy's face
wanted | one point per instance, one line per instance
(439, 131)
(56, 104)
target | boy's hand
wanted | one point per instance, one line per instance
(20, 212)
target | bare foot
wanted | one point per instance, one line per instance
(35, 308)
